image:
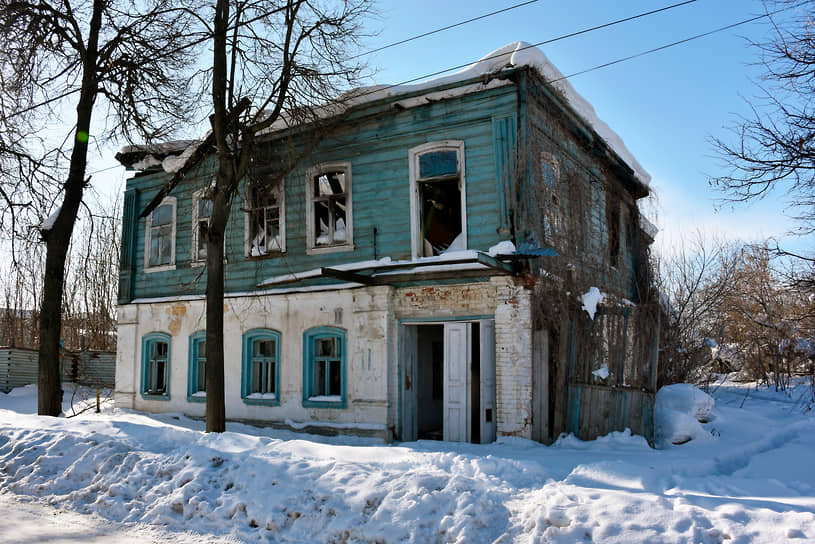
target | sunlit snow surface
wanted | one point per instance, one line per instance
(752, 480)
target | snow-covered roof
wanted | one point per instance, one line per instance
(169, 155)
(513, 55)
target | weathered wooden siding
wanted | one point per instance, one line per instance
(596, 410)
(585, 186)
(377, 148)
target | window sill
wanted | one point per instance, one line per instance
(261, 402)
(148, 396)
(196, 398)
(163, 268)
(269, 255)
(319, 250)
(310, 403)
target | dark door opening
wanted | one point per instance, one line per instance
(430, 382)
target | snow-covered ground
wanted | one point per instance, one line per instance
(749, 478)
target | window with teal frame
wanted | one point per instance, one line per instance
(260, 375)
(155, 366)
(324, 368)
(197, 369)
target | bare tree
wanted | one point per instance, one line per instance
(775, 146)
(128, 56)
(694, 282)
(276, 64)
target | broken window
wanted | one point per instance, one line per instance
(202, 211)
(160, 237)
(329, 206)
(264, 225)
(438, 182)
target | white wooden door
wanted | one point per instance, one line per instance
(409, 360)
(457, 359)
(487, 387)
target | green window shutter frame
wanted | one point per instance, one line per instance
(148, 343)
(192, 366)
(310, 361)
(249, 338)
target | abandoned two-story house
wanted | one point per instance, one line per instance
(421, 272)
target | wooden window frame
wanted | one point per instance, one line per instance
(148, 340)
(248, 360)
(311, 235)
(148, 237)
(197, 197)
(194, 360)
(310, 361)
(250, 208)
(414, 155)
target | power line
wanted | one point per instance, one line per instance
(679, 42)
(442, 29)
(538, 44)
(240, 24)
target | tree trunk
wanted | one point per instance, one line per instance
(58, 238)
(216, 408)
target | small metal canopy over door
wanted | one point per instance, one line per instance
(487, 386)
(409, 408)
(457, 357)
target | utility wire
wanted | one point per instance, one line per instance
(679, 42)
(551, 40)
(538, 44)
(247, 22)
(442, 29)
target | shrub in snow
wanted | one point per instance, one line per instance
(678, 411)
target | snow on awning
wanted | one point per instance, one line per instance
(385, 271)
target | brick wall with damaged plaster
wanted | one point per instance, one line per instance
(364, 314)
(510, 304)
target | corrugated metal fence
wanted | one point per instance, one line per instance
(18, 367)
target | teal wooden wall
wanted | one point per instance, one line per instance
(376, 143)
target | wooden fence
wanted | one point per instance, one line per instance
(19, 367)
(613, 371)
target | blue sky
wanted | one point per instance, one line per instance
(666, 106)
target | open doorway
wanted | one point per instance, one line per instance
(448, 382)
